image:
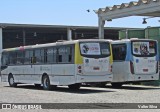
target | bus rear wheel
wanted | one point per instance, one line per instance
(37, 85)
(46, 83)
(117, 85)
(74, 86)
(102, 84)
(11, 81)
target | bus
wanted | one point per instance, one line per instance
(134, 60)
(68, 63)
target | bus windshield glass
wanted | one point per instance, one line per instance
(144, 48)
(95, 49)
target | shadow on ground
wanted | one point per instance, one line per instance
(65, 89)
(134, 87)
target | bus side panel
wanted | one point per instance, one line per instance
(121, 71)
(39, 70)
(26, 75)
(4, 75)
(15, 72)
(63, 74)
(21, 74)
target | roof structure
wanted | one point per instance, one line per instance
(139, 8)
(13, 25)
(149, 8)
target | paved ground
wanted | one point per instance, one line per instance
(127, 94)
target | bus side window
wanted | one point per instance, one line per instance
(59, 58)
(33, 60)
(65, 54)
(27, 56)
(12, 58)
(37, 56)
(68, 57)
(70, 54)
(45, 56)
(5, 59)
(119, 52)
(20, 57)
(60, 52)
(42, 55)
(51, 55)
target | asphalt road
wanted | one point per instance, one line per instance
(127, 94)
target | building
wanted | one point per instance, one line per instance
(15, 35)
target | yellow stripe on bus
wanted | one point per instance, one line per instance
(78, 57)
(111, 56)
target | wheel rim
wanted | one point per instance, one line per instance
(46, 83)
(11, 81)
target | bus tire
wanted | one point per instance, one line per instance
(102, 84)
(11, 81)
(74, 86)
(117, 85)
(37, 85)
(46, 83)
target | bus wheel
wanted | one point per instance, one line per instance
(46, 83)
(102, 84)
(74, 86)
(117, 85)
(37, 85)
(11, 81)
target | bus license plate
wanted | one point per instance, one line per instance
(145, 70)
(95, 68)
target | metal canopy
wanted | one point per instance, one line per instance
(140, 8)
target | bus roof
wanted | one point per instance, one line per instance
(129, 40)
(60, 42)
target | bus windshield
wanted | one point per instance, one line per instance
(95, 49)
(144, 48)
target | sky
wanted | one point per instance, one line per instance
(65, 12)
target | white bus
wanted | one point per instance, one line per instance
(134, 60)
(62, 63)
